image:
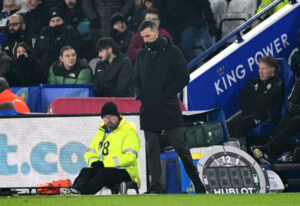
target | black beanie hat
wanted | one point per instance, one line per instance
(117, 17)
(109, 108)
(54, 12)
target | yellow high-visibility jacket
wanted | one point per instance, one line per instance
(265, 3)
(119, 149)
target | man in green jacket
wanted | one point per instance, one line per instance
(112, 156)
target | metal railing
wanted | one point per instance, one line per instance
(236, 32)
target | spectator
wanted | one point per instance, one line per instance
(137, 41)
(10, 7)
(99, 13)
(120, 32)
(52, 38)
(6, 95)
(285, 130)
(161, 73)
(114, 72)
(295, 60)
(5, 63)
(69, 70)
(73, 12)
(139, 13)
(262, 6)
(26, 69)
(190, 23)
(112, 156)
(37, 15)
(18, 32)
(260, 100)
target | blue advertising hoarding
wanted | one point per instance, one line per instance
(219, 86)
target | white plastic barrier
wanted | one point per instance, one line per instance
(39, 150)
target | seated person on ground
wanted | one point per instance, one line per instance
(114, 72)
(260, 100)
(285, 130)
(69, 70)
(112, 156)
(6, 95)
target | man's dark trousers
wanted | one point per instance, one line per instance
(175, 137)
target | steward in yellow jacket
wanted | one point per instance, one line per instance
(112, 156)
(263, 5)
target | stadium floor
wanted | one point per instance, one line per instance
(281, 199)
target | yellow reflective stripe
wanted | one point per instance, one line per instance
(117, 163)
(132, 151)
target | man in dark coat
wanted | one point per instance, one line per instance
(161, 73)
(114, 73)
(18, 32)
(260, 100)
(52, 38)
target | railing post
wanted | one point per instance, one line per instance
(239, 37)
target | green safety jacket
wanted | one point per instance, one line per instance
(265, 3)
(118, 149)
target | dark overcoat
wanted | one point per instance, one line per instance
(161, 72)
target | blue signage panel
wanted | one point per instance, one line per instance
(219, 87)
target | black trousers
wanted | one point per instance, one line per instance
(288, 127)
(91, 180)
(175, 137)
(240, 125)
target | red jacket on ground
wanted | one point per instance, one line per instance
(136, 43)
(18, 102)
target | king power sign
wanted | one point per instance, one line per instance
(219, 86)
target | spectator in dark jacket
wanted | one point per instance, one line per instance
(73, 12)
(52, 38)
(26, 69)
(190, 22)
(260, 100)
(114, 73)
(18, 32)
(99, 12)
(37, 16)
(120, 32)
(295, 60)
(137, 41)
